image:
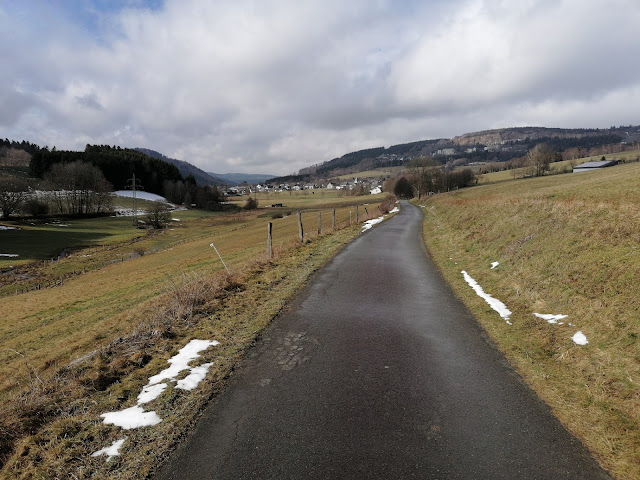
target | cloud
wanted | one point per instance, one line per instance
(276, 86)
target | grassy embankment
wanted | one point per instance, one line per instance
(567, 244)
(565, 166)
(86, 347)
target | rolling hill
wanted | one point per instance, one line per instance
(185, 168)
(496, 145)
(238, 178)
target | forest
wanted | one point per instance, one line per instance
(117, 164)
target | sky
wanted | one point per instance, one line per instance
(273, 86)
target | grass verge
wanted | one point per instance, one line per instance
(567, 244)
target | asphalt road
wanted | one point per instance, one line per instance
(378, 371)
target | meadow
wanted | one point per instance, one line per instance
(564, 166)
(83, 332)
(565, 245)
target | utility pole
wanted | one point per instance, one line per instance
(133, 185)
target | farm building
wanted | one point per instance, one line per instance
(589, 166)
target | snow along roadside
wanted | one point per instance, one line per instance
(578, 338)
(136, 416)
(370, 223)
(494, 303)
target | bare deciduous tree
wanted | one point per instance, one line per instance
(159, 215)
(421, 173)
(12, 194)
(82, 188)
(539, 158)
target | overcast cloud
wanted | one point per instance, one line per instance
(274, 86)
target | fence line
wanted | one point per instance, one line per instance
(301, 232)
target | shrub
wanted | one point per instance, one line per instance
(159, 215)
(387, 205)
(35, 207)
(403, 188)
(250, 204)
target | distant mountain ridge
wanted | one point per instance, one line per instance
(489, 145)
(185, 168)
(238, 178)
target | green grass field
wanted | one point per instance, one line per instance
(566, 244)
(43, 240)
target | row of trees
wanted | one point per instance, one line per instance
(75, 188)
(80, 189)
(427, 176)
(187, 192)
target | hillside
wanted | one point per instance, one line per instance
(497, 145)
(116, 163)
(238, 178)
(185, 168)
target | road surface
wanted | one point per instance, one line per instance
(379, 371)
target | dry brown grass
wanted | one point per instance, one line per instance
(87, 347)
(570, 245)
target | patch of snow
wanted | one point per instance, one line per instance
(196, 375)
(140, 194)
(494, 265)
(180, 361)
(395, 210)
(175, 219)
(151, 392)
(579, 338)
(58, 224)
(12, 255)
(125, 212)
(132, 417)
(136, 417)
(494, 303)
(112, 451)
(3, 227)
(549, 317)
(370, 223)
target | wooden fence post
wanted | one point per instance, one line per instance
(270, 240)
(319, 223)
(300, 229)
(333, 219)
